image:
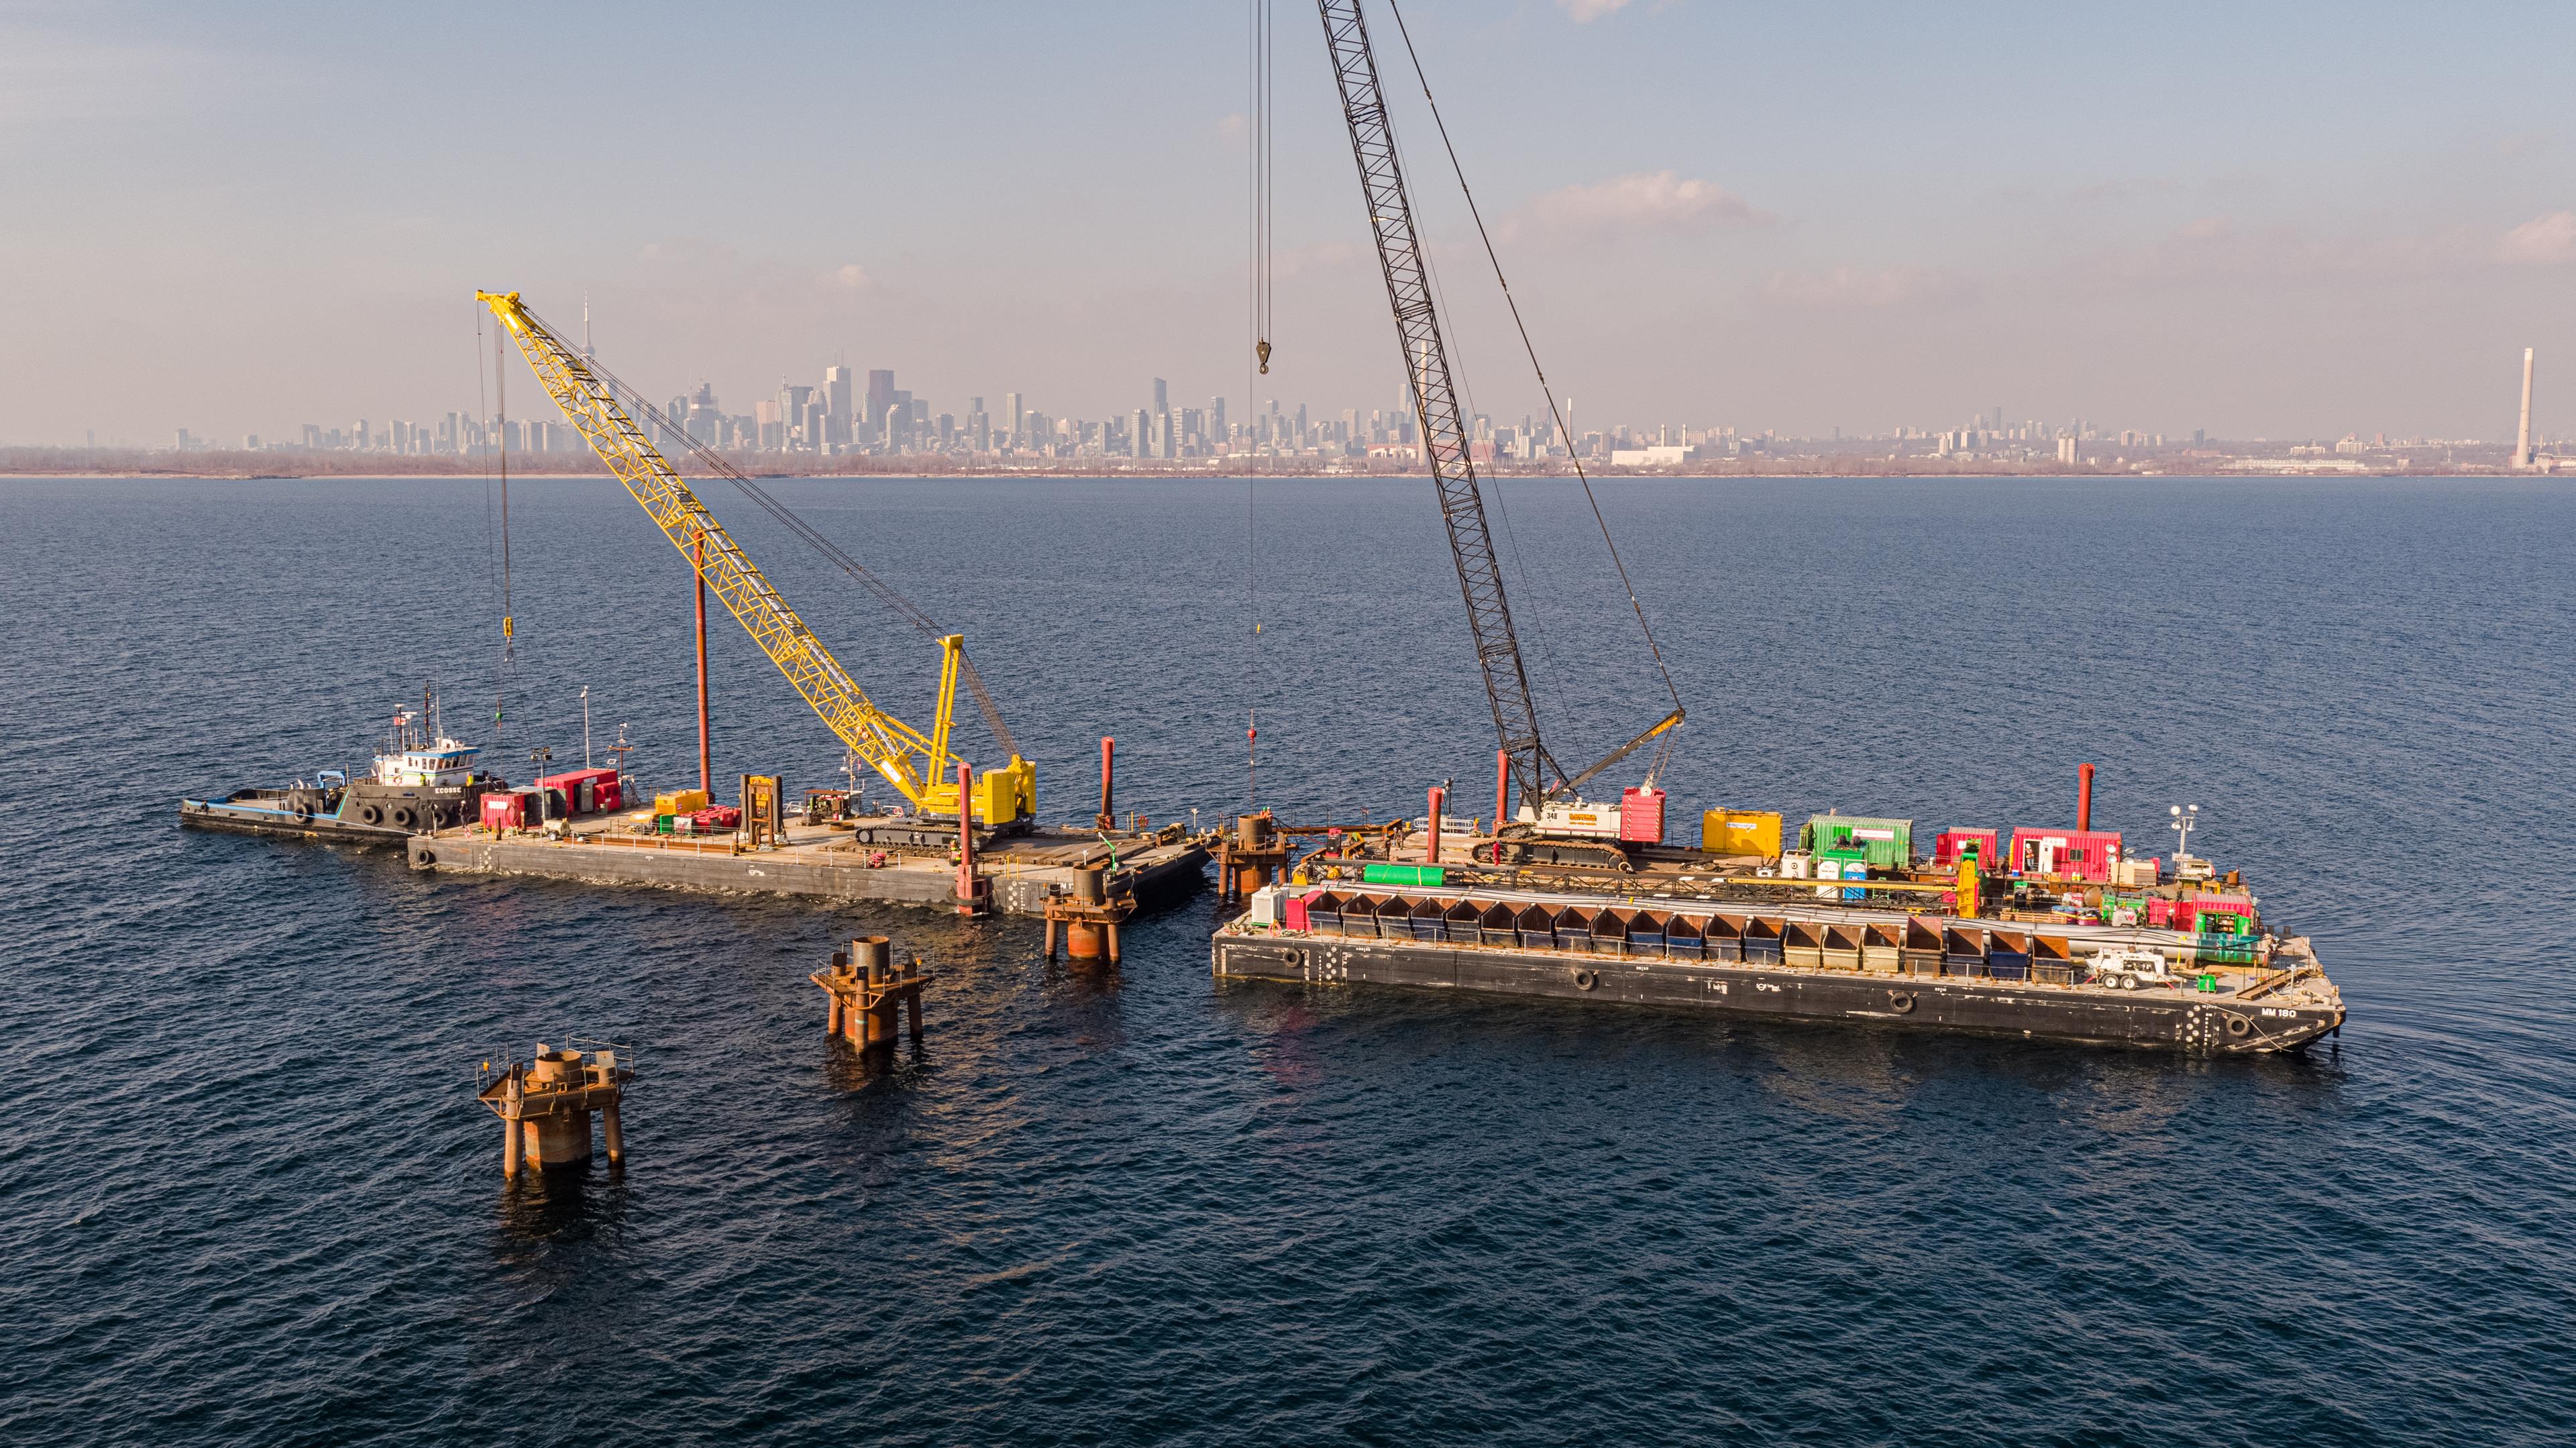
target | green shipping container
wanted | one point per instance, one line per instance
(1885, 843)
(1419, 876)
(662, 824)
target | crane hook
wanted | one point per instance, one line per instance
(1262, 350)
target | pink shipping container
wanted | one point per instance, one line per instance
(2080, 854)
(2161, 913)
(1641, 816)
(1949, 845)
(1293, 911)
(505, 811)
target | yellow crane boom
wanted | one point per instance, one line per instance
(918, 765)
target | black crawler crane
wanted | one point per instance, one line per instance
(1536, 777)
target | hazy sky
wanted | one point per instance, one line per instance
(2277, 219)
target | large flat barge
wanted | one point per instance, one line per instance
(1020, 872)
(1843, 972)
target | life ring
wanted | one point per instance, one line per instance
(303, 813)
(401, 816)
(1586, 979)
(1901, 1002)
(2239, 1027)
(370, 813)
(427, 858)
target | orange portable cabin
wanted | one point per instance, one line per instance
(2066, 854)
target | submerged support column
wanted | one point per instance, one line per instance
(870, 956)
(1083, 937)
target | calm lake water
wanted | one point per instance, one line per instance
(249, 1197)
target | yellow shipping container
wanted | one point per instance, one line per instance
(1741, 832)
(680, 802)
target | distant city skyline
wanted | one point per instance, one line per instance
(2298, 220)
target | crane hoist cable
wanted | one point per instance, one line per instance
(1257, 109)
(509, 621)
(1259, 136)
(1555, 415)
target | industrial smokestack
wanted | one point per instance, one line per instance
(2522, 437)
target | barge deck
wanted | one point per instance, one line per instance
(1020, 871)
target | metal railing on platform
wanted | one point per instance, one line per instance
(676, 843)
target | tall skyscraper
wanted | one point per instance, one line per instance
(836, 402)
(1013, 422)
(1162, 396)
(880, 393)
(1140, 434)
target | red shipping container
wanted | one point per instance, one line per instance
(2162, 912)
(588, 791)
(1293, 914)
(2081, 854)
(1641, 816)
(505, 811)
(1949, 845)
(717, 817)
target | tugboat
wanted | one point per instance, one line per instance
(425, 780)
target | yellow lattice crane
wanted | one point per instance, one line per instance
(918, 765)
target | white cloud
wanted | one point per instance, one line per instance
(1856, 287)
(853, 276)
(2542, 239)
(1587, 11)
(1642, 201)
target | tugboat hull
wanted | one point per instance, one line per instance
(363, 813)
(2164, 1019)
(253, 817)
